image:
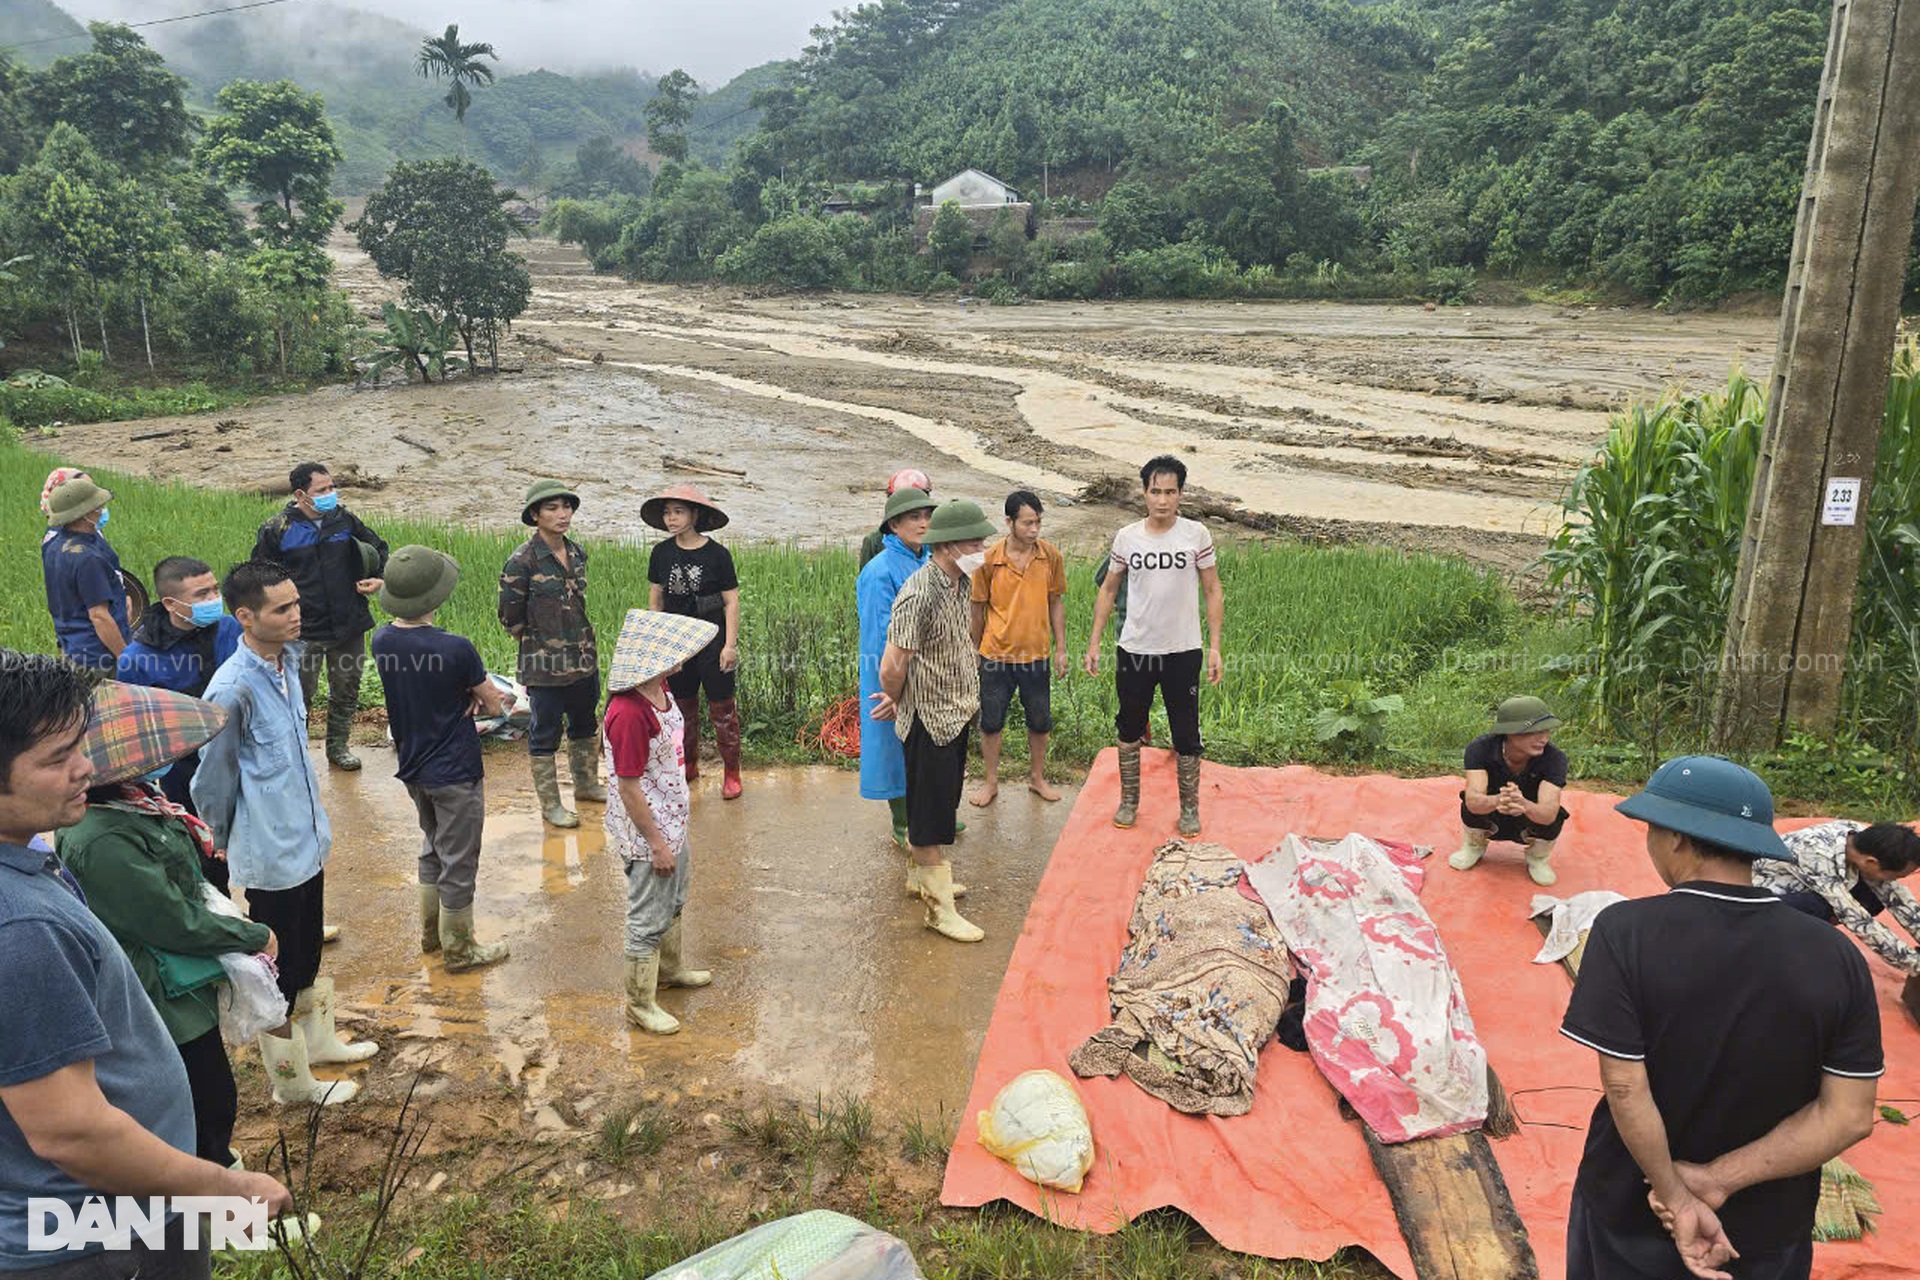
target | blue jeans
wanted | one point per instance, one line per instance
(576, 703)
(999, 681)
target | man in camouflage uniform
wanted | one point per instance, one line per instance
(543, 605)
(1848, 874)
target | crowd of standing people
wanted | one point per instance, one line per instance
(188, 775)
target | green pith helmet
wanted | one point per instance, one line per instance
(905, 500)
(81, 497)
(544, 491)
(1711, 799)
(1523, 715)
(418, 581)
(958, 521)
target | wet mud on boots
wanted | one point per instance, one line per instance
(1129, 811)
(936, 891)
(546, 785)
(583, 762)
(339, 753)
(726, 735)
(1473, 847)
(673, 967)
(1540, 862)
(1187, 769)
(287, 1070)
(643, 984)
(429, 918)
(458, 946)
(313, 1012)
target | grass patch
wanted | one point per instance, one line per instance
(627, 1133)
(924, 1140)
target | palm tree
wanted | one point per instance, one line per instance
(444, 57)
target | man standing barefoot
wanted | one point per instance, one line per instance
(1019, 610)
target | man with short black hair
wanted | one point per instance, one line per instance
(1167, 565)
(336, 563)
(182, 638)
(1739, 1043)
(258, 794)
(93, 1098)
(1019, 618)
(1848, 873)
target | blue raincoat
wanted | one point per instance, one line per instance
(883, 765)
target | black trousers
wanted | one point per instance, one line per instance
(1596, 1252)
(1177, 678)
(702, 672)
(577, 704)
(296, 917)
(1509, 827)
(174, 1261)
(216, 1101)
(936, 775)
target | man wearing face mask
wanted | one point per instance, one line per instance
(336, 562)
(84, 592)
(179, 642)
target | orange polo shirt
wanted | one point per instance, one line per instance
(1018, 629)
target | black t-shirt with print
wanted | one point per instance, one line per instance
(1488, 751)
(691, 581)
(1739, 1006)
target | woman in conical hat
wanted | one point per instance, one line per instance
(647, 814)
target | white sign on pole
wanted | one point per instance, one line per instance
(1843, 501)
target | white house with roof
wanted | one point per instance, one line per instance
(973, 189)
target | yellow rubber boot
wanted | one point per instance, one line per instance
(673, 968)
(936, 890)
(1473, 847)
(1540, 862)
(643, 984)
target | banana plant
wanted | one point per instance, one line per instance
(417, 341)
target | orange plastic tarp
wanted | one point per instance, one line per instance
(1291, 1179)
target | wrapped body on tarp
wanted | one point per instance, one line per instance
(1386, 1020)
(819, 1245)
(1199, 988)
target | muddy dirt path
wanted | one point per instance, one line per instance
(1454, 429)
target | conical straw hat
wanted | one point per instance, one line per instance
(651, 643)
(136, 730)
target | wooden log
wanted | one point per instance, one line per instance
(421, 445)
(1571, 961)
(1454, 1209)
(672, 463)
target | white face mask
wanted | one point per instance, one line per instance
(970, 564)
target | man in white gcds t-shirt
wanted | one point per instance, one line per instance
(1162, 560)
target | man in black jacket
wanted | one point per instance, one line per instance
(336, 562)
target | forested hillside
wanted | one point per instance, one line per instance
(33, 24)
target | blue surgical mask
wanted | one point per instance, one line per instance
(101, 523)
(326, 502)
(156, 775)
(207, 612)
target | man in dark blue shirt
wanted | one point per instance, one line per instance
(434, 680)
(84, 592)
(182, 638)
(93, 1099)
(1739, 1044)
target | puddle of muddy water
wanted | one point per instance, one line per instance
(825, 980)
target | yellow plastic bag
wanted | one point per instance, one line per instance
(1037, 1125)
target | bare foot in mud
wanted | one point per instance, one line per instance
(985, 794)
(1040, 788)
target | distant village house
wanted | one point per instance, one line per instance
(981, 196)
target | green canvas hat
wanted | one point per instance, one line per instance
(418, 581)
(1711, 799)
(77, 497)
(902, 501)
(958, 521)
(1523, 715)
(542, 491)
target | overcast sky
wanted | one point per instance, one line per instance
(712, 39)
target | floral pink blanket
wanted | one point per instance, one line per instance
(1386, 1021)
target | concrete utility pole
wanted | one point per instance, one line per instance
(1792, 607)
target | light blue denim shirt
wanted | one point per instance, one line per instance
(255, 786)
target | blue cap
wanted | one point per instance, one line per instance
(1711, 799)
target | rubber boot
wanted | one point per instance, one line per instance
(690, 742)
(1129, 811)
(913, 882)
(313, 1010)
(339, 754)
(546, 785)
(673, 968)
(898, 808)
(726, 734)
(1473, 847)
(456, 941)
(429, 919)
(286, 1064)
(1187, 768)
(583, 760)
(1540, 862)
(643, 983)
(936, 890)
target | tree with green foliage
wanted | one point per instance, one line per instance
(121, 96)
(275, 141)
(18, 136)
(1133, 216)
(442, 227)
(798, 251)
(686, 224)
(668, 112)
(602, 167)
(447, 57)
(950, 239)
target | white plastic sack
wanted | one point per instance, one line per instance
(519, 716)
(250, 999)
(1572, 919)
(820, 1245)
(1037, 1125)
